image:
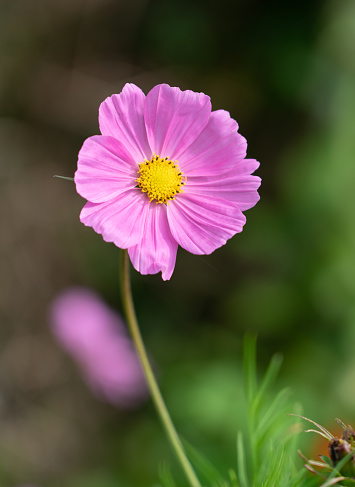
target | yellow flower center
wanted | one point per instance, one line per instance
(160, 178)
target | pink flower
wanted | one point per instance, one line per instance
(96, 338)
(166, 171)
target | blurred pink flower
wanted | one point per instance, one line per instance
(167, 147)
(95, 336)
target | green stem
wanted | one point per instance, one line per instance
(152, 383)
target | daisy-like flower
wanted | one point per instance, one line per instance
(95, 336)
(166, 171)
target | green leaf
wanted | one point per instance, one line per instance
(242, 472)
(63, 177)
(272, 413)
(207, 469)
(165, 475)
(233, 478)
(249, 366)
(269, 378)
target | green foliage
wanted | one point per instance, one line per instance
(165, 476)
(267, 449)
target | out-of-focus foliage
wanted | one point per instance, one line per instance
(286, 72)
(267, 442)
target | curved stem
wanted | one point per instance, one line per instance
(152, 383)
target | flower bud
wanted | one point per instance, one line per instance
(339, 449)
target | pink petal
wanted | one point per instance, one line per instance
(105, 169)
(239, 187)
(95, 336)
(218, 148)
(156, 251)
(121, 220)
(121, 116)
(201, 225)
(174, 118)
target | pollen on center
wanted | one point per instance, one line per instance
(160, 178)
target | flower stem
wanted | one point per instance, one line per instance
(152, 383)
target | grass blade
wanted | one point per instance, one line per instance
(242, 471)
(202, 463)
(249, 359)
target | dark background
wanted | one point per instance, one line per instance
(286, 72)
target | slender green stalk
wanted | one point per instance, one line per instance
(152, 383)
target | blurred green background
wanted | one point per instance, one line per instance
(286, 72)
